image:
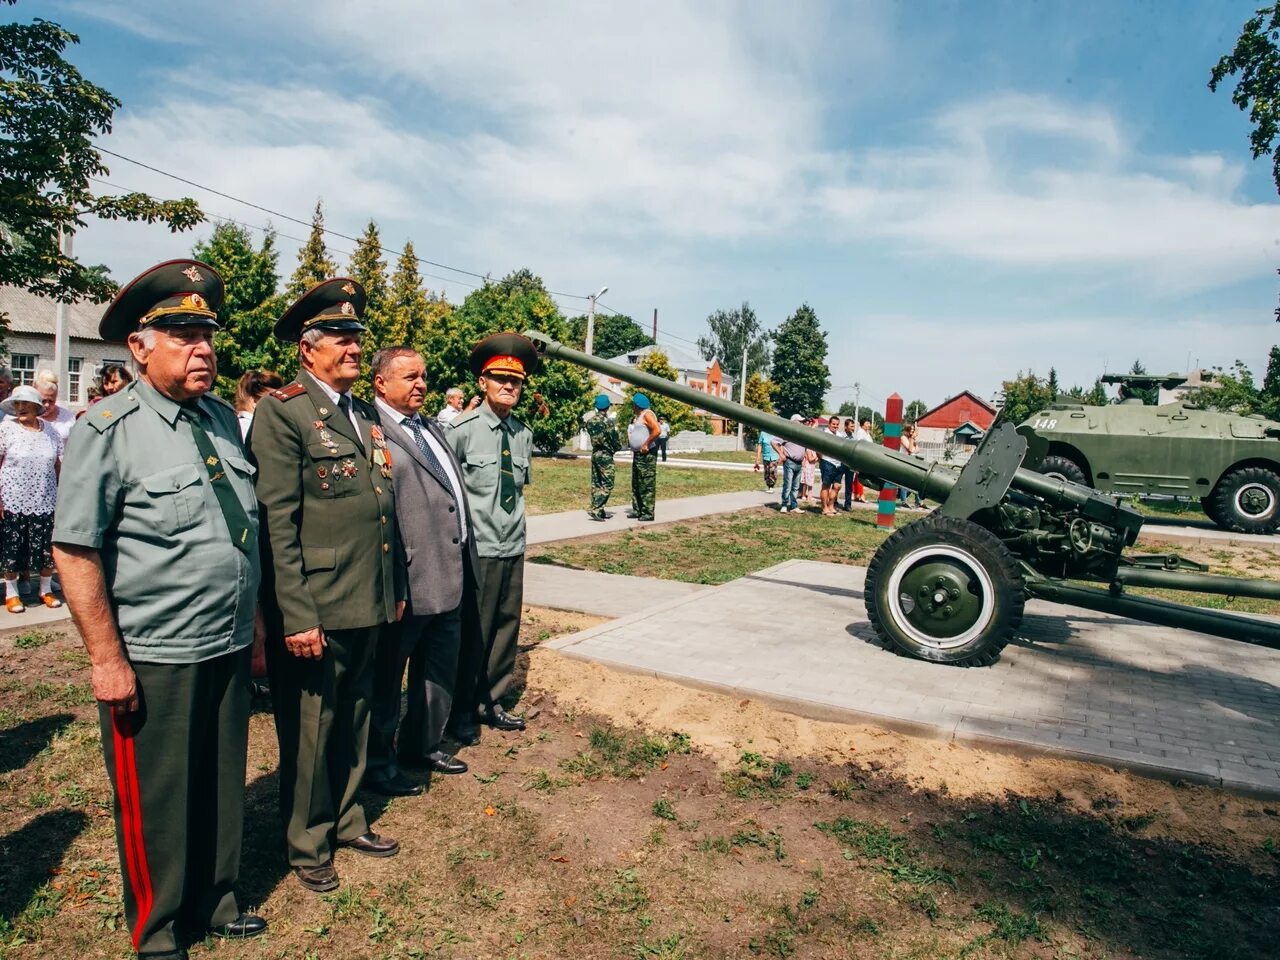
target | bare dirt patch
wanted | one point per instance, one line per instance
(637, 819)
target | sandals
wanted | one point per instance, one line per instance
(14, 605)
(49, 600)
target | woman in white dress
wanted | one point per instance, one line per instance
(30, 458)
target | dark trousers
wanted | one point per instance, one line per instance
(429, 647)
(661, 444)
(177, 772)
(500, 594)
(846, 478)
(322, 723)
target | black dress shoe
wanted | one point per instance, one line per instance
(372, 845)
(245, 925)
(596, 516)
(397, 785)
(319, 879)
(442, 762)
(499, 719)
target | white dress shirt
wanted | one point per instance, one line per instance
(390, 415)
(333, 395)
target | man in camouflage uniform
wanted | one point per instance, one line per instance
(642, 437)
(603, 431)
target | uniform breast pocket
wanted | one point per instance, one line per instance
(336, 471)
(175, 498)
(241, 472)
(521, 470)
(481, 474)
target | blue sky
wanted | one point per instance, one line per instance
(961, 190)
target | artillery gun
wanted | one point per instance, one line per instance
(951, 587)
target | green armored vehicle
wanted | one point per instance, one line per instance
(1230, 463)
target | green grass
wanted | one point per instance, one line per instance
(560, 485)
(724, 456)
(718, 549)
(1165, 509)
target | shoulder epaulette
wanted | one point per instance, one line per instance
(462, 418)
(109, 411)
(289, 391)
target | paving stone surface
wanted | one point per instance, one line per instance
(603, 594)
(1075, 683)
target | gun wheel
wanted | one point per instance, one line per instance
(946, 590)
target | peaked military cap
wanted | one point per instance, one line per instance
(506, 353)
(176, 293)
(336, 305)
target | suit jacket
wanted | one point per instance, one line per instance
(328, 514)
(428, 519)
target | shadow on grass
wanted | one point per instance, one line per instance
(18, 745)
(30, 855)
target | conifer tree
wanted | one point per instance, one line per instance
(408, 306)
(368, 267)
(314, 262)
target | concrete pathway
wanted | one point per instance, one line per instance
(602, 594)
(1165, 702)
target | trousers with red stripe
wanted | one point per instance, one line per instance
(177, 769)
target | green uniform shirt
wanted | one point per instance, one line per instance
(135, 488)
(603, 432)
(329, 512)
(477, 439)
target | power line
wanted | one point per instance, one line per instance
(306, 223)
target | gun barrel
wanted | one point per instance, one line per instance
(930, 479)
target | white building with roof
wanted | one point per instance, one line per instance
(29, 340)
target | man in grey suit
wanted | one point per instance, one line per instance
(435, 528)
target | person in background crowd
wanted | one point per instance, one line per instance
(495, 450)
(792, 456)
(642, 437)
(58, 417)
(830, 467)
(847, 473)
(156, 540)
(252, 387)
(664, 434)
(602, 428)
(115, 378)
(94, 394)
(808, 469)
(6, 383)
(453, 405)
(336, 575)
(431, 510)
(909, 445)
(862, 433)
(767, 457)
(30, 458)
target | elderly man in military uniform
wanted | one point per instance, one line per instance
(156, 539)
(494, 448)
(602, 428)
(334, 577)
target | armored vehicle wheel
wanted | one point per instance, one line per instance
(1063, 468)
(946, 590)
(1247, 500)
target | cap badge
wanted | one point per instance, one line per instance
(192, 274)
(194, 300)
(349, 289)
(347, 309)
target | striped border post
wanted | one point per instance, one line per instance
(888, 502)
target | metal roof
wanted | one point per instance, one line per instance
(29, 313)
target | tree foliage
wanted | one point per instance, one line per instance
(555, 399)
(1024, 395)
(252, 305)
(49, 116)
(1234, 391)
(1256, 62)
(729, 332)
(800, 364)
(759, 396)
(913, 411)
(314, 262)
(615, 334)
(680, 416)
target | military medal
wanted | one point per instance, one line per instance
(347, 469)
(381, 455)
(322, 472)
